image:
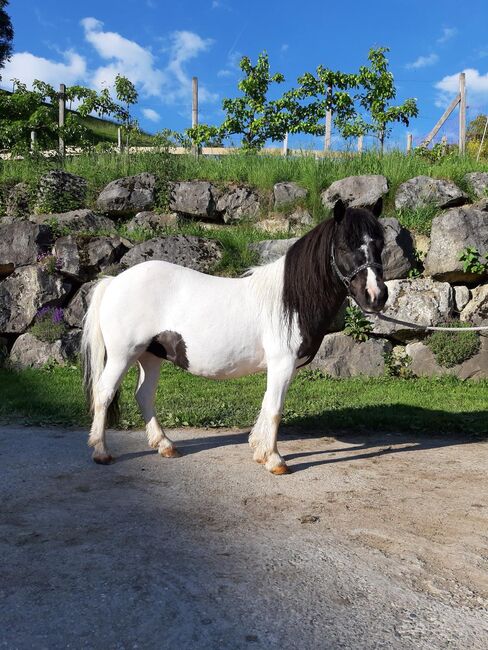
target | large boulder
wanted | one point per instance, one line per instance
(341, 356)
(286, 193)
(26, 291)
(152, 221)
(17, 203)
(424, 364)
(356, 191)
(270, 250)
(30, 352)
(421, 301)
(236, 203)
(78, 306)
(451, 233)
(399, 251)
(187, 250)
(192, 198)
(60, 191)
(21, 243)
(129, 195)
(477, 183)
(476, 310)
(76, 221)
(83, 258)
(423, 191)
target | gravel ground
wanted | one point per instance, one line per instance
(374, 541)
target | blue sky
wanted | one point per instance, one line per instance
(160, 45)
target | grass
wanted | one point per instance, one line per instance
(386, 404)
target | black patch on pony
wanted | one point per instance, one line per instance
(171, 346)
(311, 288)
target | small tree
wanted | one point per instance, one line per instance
(6, 34)
(378, 89)
(474, 135)
(127, 94)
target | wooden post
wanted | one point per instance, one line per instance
(328, 124)
(444, 117)
(194, 110)
(360, 144)
(119, 140)
(462, 113)
(482, 140)
(444, 144)
(409, 142)
(284, 151)
(33, 143)
(61, 120)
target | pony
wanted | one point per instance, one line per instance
(272, 318)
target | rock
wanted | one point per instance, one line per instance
(481, 204)
(421, 244)
(478, 183)
(278, 223)
(452, 232)
(424, 363)
(193, 198)
(421, 301)
(26, 291)
(77, 221)
(83, 258)
(237, 203)
(270, 250)
(300, 217)
(17, 204)
(356, 191)
(76, 310)
(476, 311)
(341, 356)
(187, 250)
(399, 251)
(423, 191)
(286, 193)
(21, 243)
(30, 352)
(129, 195)
(274, 225)
(152, 221)
(462, 296)
(60, 191)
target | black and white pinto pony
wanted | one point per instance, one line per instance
(273, 318)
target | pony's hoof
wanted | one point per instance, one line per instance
(170, 452)
(280, 469)
(102, 459)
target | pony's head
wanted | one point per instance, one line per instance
(356, 255)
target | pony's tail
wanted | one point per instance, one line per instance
(93, 350)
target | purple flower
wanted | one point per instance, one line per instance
(43, 312)
(57, 315)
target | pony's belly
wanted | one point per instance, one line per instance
(228, 366)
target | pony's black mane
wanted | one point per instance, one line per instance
(312, 289)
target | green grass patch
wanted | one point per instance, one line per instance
(55, 396)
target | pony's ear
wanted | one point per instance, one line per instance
(378, 207)
(339, 211)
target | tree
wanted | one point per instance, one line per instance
(474, 135)
(6, 34)
(127, 94)
(377, 90)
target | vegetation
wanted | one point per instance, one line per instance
(49, 324)
(357, 324)
(473, 261)
(6, 34)
(56, 397)
(452, 348)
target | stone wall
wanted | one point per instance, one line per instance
(49, 260)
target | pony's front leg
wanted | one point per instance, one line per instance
(264, 433)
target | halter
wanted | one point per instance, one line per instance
(346, 279)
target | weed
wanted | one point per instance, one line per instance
(356, 324)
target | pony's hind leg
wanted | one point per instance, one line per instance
(149, 367)
(103, 394)
(264, 433)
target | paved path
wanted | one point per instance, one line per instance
(372, 542)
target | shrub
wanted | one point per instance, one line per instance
(452, 348)
(49, 324)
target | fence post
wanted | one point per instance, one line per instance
(33, 143)
(328, 124)
(194, 110)
(119, 140)
(284, 151)
(444, 144)
(360, 144)
(409, 142)
(462, 113)
(61, 119)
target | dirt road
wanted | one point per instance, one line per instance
(372, 542)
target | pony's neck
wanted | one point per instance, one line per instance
(311, 289)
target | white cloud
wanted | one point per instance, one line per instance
(232, 66)
(185, 46)
(423, 62)
(476, 86)
(447, 34)
(151, 115)
(27, 67)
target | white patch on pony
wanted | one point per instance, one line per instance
(371, 283)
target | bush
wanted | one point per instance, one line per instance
(452, 348)
(49, 325)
